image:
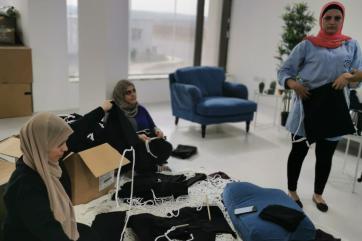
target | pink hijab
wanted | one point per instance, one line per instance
(327, 40)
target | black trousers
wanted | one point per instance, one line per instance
(324, 152)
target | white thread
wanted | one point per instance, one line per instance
(172, 214)
(147, 143)
(173, 228)
(117, 187)
(299, 125)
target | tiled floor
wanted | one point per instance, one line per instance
(258, 157)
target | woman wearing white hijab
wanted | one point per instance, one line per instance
(38, 208)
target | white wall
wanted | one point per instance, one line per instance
(43, 24)
(103, 28)
(103, 49)
(256, 28)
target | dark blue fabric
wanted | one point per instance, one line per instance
(224, 106)
(144, 119)
(250, 226)
(208, 79)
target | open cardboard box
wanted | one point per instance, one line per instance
(92, 172)
(10, 149)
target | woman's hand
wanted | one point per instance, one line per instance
(159, 133)
(143, 137)
(342, 81)
(299, 89)
(107, 105)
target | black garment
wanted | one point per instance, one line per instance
(354, 101)
(323, 236)
(161, 149)
(184, 151)
(87, 234)
(326, 114)
(223, 175)
(29, 216)
(109, 226)
(90, 131)
(288, 218)
(161, 185)
(121, 135)
(147, 226)
(324, 152)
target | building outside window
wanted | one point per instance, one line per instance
(161, 35)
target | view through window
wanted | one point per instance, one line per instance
(161, 37)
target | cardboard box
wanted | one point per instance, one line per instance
(92, 172)
(15, 65)
(15, 100)
(7, 169)
(10, 149)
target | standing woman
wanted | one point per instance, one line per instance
(125, 97)
(38, 208)
(329, 58)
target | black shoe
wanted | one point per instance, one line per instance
(323, 207)
(300, 204)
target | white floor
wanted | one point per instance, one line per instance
(258, 157)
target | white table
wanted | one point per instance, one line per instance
(277, 98)
(357, 139)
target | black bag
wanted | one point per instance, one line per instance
(184, 151)
(326, 114)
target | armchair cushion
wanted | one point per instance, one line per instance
(236, 90)
(208, 79)
(185, 96)
(224, 106)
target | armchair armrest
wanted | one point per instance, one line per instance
(236, 90)
(185, 96)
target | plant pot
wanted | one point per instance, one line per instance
(261, 87)
(284, 117)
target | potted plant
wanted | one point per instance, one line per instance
(298, 21)
(261, 87)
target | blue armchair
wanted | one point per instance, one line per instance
(201, 95)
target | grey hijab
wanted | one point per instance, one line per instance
(119, 92)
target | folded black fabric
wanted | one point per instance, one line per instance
(320, 235)
(326, 114)
(288, 218)
(189, 223)
(184, 151)
(160, 185)
(86, 233)
(109, 226)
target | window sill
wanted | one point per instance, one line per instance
(148, 77)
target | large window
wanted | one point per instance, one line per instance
(161, 35)
(72, 26)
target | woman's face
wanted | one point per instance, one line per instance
(130, 96)
(57, 152)
(332, 21)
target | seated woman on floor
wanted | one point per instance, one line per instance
(125, 97)
(37, 205)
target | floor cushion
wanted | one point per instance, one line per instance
(250, 226)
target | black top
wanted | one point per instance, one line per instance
(29, 216)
